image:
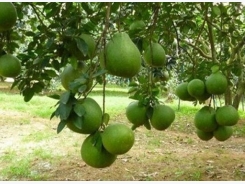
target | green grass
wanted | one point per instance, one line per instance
(38, 136)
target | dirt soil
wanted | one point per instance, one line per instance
(156, 155)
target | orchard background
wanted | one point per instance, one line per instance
(196, 37)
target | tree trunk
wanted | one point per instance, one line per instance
(238, 95)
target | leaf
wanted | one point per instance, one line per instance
(79, 109)
(78, 122)
(28, 93)
(105, 118)
(133, 89)
(87, 8)
(82, 88)
(147, 125)
(38, 87)
(64, 110)
(64, 98)
(54, 96)
(82, 46)
(98, 73)
(51, 73)
(61, 126)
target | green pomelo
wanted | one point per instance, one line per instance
(205, 136)
(196, 88)
(8, 16)
(69, 74)
(155, 55)
(117, 138)
(216, 83)
(91, 120)
(162, 117)
(121, 56)
(9, 66)
(89, 40)
(136, 114)
(182, 92)
(227, 115)
(222, 133)
(94, 156)
(205, 119)
(136, 26)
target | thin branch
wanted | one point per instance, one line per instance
(38, 16)
(200, 51)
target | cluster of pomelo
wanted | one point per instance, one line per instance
(216, 123)
(210, 122)
(159, 116)
(101, 147)
(9, 65)
(197, 89)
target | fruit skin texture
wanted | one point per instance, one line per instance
(223, 133)
(123, 58)
(216, 83)
(9, 66)
(227, 115)
(162, 117)
(155, 55)
(69, 74)
(205, 119)
(117, 138)
(182, 92)
(91, 119)
(8, 16)
(196, 88)
(205, 136)
(95, 157)
(136, 114)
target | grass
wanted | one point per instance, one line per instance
(23, 164)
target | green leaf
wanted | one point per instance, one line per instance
(64, 110)
(82, 46)
(54, 96)
(61, 126)
(87, 8)
(147, 125)
(28, 93)
(105, 118)
(51, 73)
(38, 87)
(79, 109)
(30, 33)
(98, 73)
(64, 98)
(78, 122)
(82, 88)
(133, 89)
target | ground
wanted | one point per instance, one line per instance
(32, 150)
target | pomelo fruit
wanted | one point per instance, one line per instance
(94, 154)
(117, 138)
(216, 83)
(205, 119)
(162, 117)
(8, 16)
(121, 56)
(155, 55)
(91, 120)
(9, 66)
(196, 88)
(182, 92)
(222, 133)
(227, 115)
(136, 113)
